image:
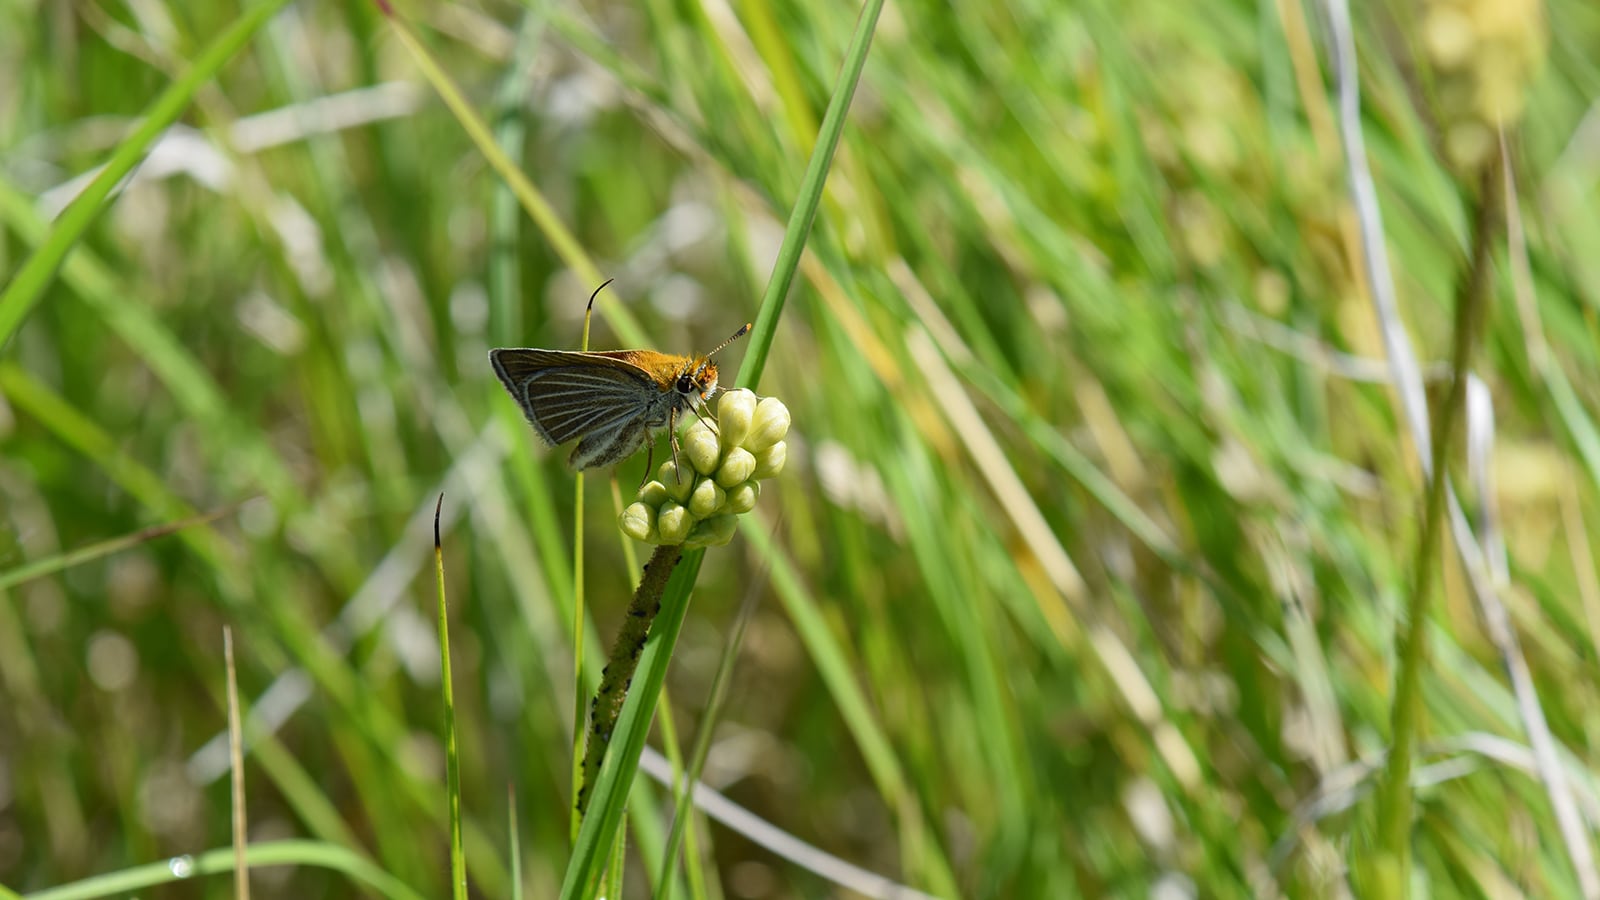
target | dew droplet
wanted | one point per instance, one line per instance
(181, 866)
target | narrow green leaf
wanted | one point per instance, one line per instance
(36, 274)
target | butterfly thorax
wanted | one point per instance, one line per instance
(669, 371)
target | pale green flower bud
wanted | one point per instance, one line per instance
(654, 493)
(736, 412)
(700, 445)
(678, 488)
(696, 497)
(673, 523)
(769, 462)
(742, 499)
(770, 425)
(736, 468)
(706, 498)
(638, 520)
(713, 532)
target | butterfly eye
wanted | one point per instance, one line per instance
(685, 384)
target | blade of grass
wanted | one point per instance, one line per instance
(52, 564)
(214, 862)
(452, 753)
(809, 198)
(514, 842)
(88, 438)
(36, 274)
(609, 798)
(241, 870)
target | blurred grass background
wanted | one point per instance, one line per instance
(1085, 574)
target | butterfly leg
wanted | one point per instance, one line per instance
(709, 423)
(672, 436)
(649, 458)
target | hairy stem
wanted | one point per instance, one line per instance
(617, 676)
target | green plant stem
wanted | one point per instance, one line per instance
(617, 676)
(1394, 791)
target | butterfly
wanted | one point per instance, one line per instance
(613, 402)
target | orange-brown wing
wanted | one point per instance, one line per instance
(566, 394)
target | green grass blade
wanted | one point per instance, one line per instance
(36, 274)
(220, 861)
(810, 197)
(514, 843)
(609, 801)
(452, 753)
(52, 564)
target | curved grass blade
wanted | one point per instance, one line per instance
(220, 860)
(52, 564)
(36, 274)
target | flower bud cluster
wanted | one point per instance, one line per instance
(720, 478)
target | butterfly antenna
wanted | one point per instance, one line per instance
(736, 335)
(589, 311)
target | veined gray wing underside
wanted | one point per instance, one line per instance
(563, 402)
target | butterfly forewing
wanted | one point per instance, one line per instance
(566, 395)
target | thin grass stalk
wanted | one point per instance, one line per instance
(611, 885)
(579, 691)
(1394, 788)
(579, 688)
(514, 842)
(241, 870)
(694, 871)
(452, 752)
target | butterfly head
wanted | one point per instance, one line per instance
(698, 379)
